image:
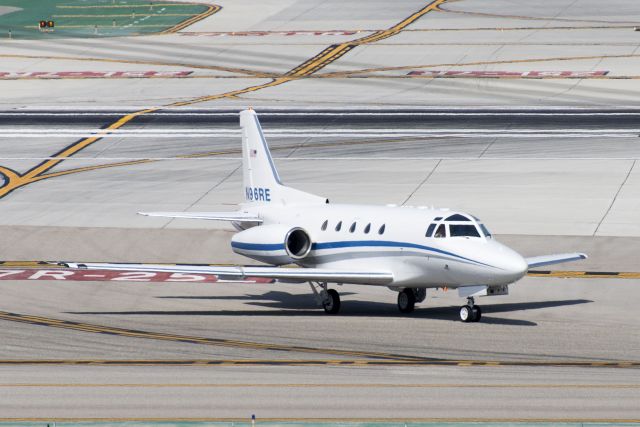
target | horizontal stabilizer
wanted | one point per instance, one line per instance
(242, 272)
(539, 261)
(217, 216)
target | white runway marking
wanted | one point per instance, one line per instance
(217, 157)
(331, 113)
(320, 133)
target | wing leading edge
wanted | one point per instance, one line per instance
(539, 261)
(242, 272)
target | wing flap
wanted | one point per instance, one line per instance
(216, 216)
(242, 272)
(539, 261)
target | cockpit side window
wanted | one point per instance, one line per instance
(486, 232)
(430, 230)
(440, 232)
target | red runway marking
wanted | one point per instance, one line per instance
(12, 75)
(528, 74)
(115, 276)
(271, 33)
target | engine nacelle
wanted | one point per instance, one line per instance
(274, 244)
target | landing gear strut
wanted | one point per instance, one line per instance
(329, 299)
(406, 300)
(470, 312)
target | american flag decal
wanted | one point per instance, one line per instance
(253, 153)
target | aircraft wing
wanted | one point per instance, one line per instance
(242, 272)
(539, 261)
(219, 216)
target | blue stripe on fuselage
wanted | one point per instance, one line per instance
(258, 246)
(352, 244)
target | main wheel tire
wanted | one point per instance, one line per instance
(406, 301)
(466, 313)
(476, 313)
(332, 305)
(420, 293)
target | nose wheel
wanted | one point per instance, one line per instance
(470, 312)
(331, 302)
(328, 299)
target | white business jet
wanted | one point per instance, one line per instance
(404, 248)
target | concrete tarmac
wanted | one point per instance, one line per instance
(529, 359)
(410, 393)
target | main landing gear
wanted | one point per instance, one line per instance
(406, 301)
(329, 299)
(407, 298)
(470, 312)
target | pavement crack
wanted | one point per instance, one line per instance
(615, 197)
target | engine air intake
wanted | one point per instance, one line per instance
(297, 243)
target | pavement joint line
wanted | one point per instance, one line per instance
(330, 421)
(333, 362)
(121, 6)
(530, 18)
(322, 385)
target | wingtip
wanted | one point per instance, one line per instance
(583, 255)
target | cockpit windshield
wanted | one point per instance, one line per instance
(459, 230)
(457, 225)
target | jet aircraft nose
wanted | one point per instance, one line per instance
(517, 266)
(514, 266)
(511, 264)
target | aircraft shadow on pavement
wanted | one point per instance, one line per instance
(285, 304)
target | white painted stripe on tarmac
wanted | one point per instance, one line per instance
(328, 114)
(336, 135)
(217, 157)
(314, 131)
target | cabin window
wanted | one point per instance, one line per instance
(324, 225)
(352, 228)
(463, 230)
(440, 232)
(430, 230)
(367, 228)
(339, 226)
(381, 230)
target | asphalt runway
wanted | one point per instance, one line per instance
(525, 116)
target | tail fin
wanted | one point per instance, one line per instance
(260, 178)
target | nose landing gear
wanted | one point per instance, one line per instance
(328, 299)
(470, 312)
